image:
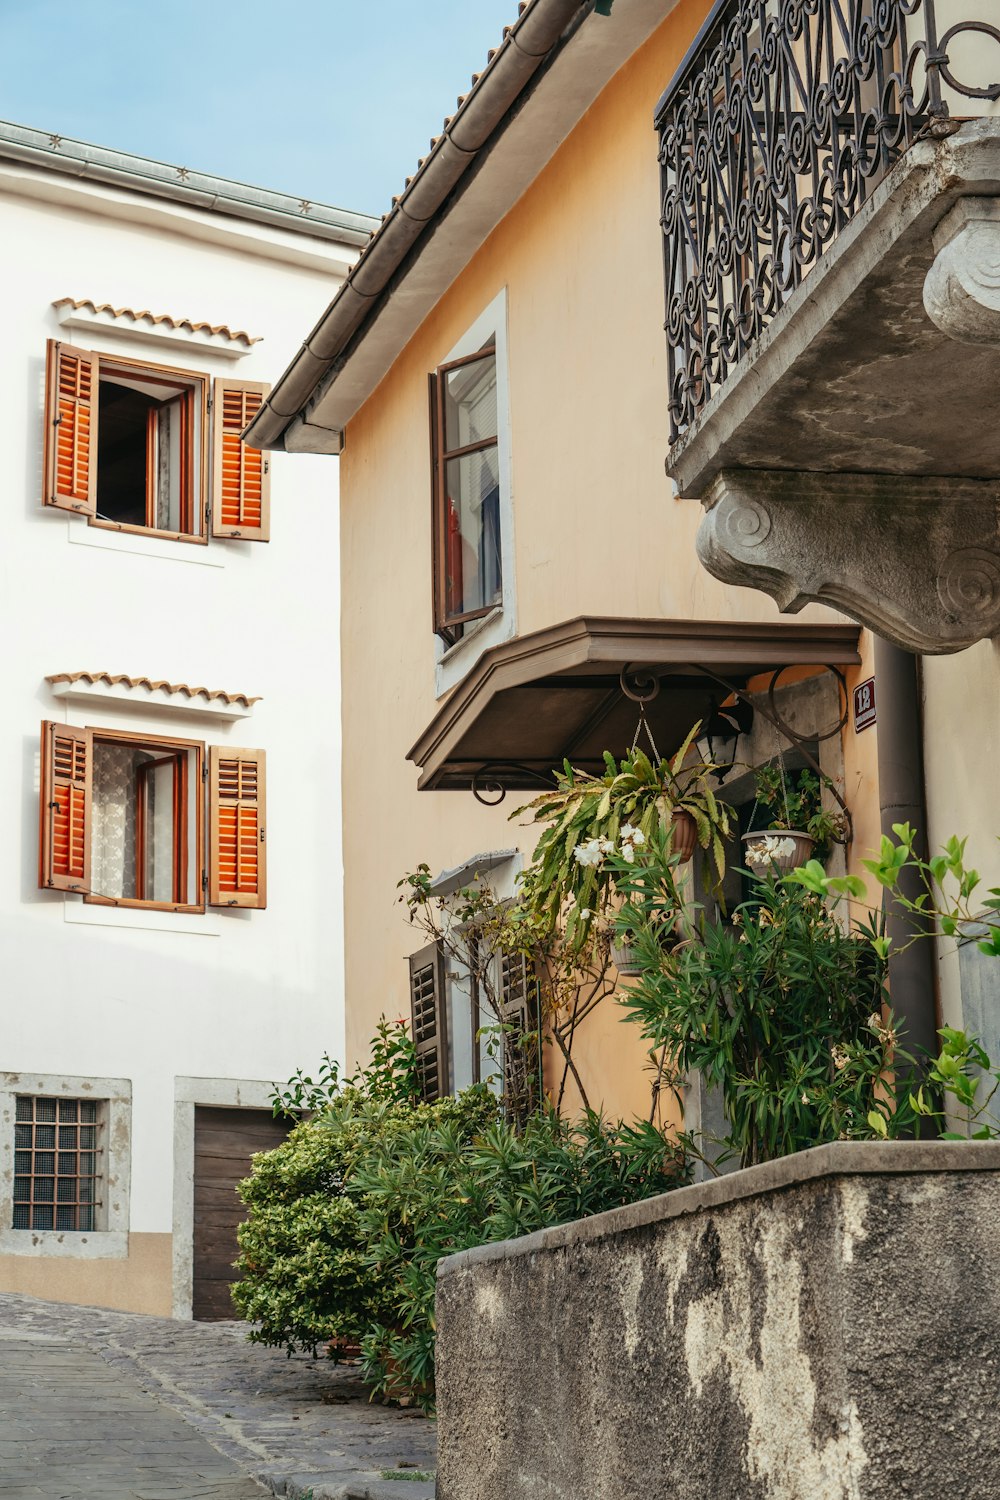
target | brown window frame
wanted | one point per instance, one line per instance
(194, 387)
(449, 626)
(178, 761)
(219, 807)
(177, 751)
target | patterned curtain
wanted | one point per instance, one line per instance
(113, 842)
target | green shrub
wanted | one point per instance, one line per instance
(306, 1273)
(350, 1216)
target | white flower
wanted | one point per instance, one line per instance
(589, 854)
(605, 845)
(769, 848)
(632, 835)
(805, 1098)
(586, 913)
(628, 854)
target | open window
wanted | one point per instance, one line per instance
(137, 820)
(468, 568)
(129, 444)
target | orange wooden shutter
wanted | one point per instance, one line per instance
(70, 428)
(237, 851)
(241, 483)
(429, 1021)
(65, 808)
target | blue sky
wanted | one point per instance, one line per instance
(331, 101)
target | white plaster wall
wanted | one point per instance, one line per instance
(232, 994)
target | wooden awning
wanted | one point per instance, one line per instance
(556, 694)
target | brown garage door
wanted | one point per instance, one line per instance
(224, 1141)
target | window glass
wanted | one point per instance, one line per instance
(472, 550)
(470, 403)
(471, 519)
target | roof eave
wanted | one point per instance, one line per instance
(542, 29)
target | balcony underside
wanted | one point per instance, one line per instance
(853, 456)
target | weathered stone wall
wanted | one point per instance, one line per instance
(822, 1328)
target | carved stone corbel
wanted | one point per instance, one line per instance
(916, 559)
(962, 287)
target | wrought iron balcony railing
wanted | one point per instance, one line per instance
(779, 125)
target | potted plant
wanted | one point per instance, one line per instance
(596, 822)
(796, 825)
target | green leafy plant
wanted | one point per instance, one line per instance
(305, 1272)
(785, 1011)
(431, 1190)
(591, 818)
(391, 1074)
(959, 1072)
(946, 888)
(302, 1094)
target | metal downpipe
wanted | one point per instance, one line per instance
(902, 800)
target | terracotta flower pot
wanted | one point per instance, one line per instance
(788, 849)
(684, 833)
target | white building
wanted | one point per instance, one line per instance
(171, 944)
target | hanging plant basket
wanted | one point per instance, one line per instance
(684, 835)
(783, 849)
(625, 958)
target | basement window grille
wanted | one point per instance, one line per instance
(56, 1160)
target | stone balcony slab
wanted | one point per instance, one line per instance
(878, 384)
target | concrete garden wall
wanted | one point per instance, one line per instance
(826, 1327)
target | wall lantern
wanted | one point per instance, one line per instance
(721, 729)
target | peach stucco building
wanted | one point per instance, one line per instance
(483, 638)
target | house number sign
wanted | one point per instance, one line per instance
(864, 705)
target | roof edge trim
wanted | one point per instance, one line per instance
(122, 169)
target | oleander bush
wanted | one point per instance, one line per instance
(434, 1189)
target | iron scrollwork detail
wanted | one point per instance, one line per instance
(772, 137)
(489, 781)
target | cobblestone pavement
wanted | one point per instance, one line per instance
(98, 1405)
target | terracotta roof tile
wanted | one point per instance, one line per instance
(119, 679)
(139, 315)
